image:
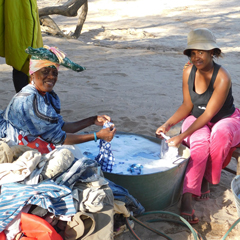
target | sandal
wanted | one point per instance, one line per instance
(190, 215)
(201, 198)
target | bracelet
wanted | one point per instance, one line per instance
(95, 136)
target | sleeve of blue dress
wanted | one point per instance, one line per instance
(31, 114)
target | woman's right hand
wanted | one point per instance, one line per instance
(164, 129)
(107, 134)
(100, 120)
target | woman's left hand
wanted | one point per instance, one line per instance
(175, 141)
(107, 134)
(101, 119)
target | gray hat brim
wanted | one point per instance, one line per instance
(200, 39)
(201, 46)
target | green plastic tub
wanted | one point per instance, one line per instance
(155, 191)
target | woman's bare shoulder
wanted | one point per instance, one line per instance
(187, 71)
(223, 75)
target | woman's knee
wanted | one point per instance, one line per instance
(222, 134)
(188, 122)
(200, 148)
(199, 137)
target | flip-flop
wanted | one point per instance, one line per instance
(190, 215)
(197, 198)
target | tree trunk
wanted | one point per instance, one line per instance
(81, 20)
(50, 26)
(69, 9)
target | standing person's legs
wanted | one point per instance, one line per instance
(225, 134)
(20, 79)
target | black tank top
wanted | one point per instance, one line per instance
(200, 101)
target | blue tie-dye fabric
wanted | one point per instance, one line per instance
(105, 157)
(47, 194)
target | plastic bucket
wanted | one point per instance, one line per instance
(235, 186)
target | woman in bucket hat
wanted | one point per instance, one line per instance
(34, 112)
(211, 125)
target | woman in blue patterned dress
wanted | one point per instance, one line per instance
(35, 111)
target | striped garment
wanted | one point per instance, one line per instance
(47, 194)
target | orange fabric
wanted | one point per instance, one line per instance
(39, 144)
(28, 238)
(35, 227)
(36, 65)
(2, 236)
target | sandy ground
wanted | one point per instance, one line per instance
(132, 51)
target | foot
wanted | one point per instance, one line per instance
(204, 196)
(205, 186)
(205, 192)
(186, 209)
(191, 218)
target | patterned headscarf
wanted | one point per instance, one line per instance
(49, 56)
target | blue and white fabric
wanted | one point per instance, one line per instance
(84, 170)
(120, 193)
(47, 194)
(31, 114)
(105, 157)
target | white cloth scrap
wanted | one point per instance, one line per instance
(21, 168)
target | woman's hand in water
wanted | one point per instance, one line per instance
(175, 141)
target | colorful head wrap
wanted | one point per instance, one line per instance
(49, 56)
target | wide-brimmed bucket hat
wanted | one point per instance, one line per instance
(200, 39)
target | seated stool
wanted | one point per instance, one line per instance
(236, 156)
